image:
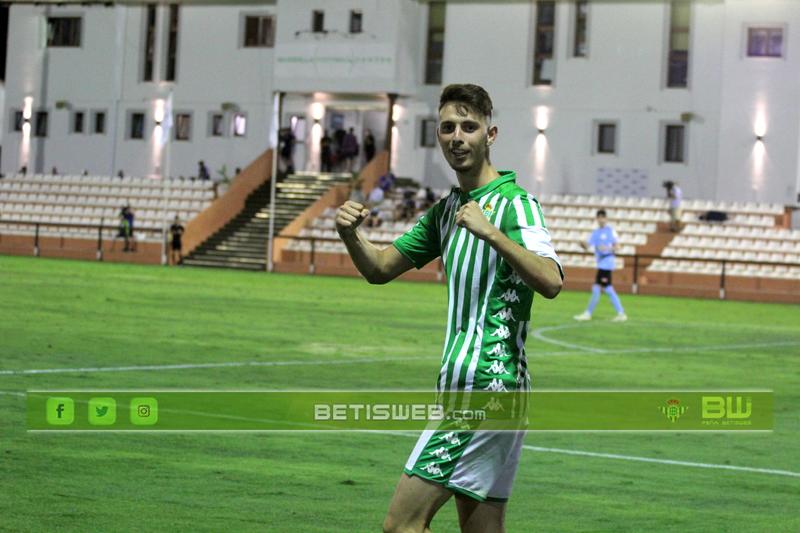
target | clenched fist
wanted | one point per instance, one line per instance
(471, 217)
(349, 216)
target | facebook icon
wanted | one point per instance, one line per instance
(60, 411)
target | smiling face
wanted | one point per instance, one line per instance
(464, 136)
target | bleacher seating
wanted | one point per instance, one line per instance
(92, 200)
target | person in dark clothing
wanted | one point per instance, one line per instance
(202, 171)
(349, 149)
(287, 140)
(369, 146)
(325, 146)
(176, 232)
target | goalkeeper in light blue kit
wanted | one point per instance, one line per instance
(604, 240)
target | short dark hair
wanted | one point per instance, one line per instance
(601, 213)
(472, 96)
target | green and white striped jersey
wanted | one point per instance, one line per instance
(489, 306)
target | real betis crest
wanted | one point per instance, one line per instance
(488, 210)
(673, 410)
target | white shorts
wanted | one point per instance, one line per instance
(478, 464)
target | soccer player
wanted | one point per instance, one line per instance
(604, 239)
(496, 251)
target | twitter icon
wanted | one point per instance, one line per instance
(102, 411)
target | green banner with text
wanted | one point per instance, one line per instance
(541, 410)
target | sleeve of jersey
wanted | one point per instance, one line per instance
(420, 244)
(528, 228)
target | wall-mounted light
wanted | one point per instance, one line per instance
(317, 111)
(158, 114)
(27, 108)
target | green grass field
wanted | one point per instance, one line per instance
(98, 317)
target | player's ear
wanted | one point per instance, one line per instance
(491, 135)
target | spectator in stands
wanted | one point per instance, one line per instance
(338, 142)
(375, 197)
(325, 146)
(374, 219)
(120, 174)
(237, 171)
(54, 171)
(369, 146)
(286, 140)
(407, 207)
(202, 171)
(124, 230)
(604, 240)
(85, 172)
(176, 232)
(386, 182)
(349, 149)
(674, 195)
(356, 194)
(23, 170)
(425, 198)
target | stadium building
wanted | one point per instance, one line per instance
(700, 92)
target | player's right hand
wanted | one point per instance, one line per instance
(349, 216)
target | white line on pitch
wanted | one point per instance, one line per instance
(664, 461)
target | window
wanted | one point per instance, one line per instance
(543, 66)
(172, 44)
(239, 125)
(259, 31)
(18, 120)
(434, 57)
(216, 125)
(765, 42)
(100, 122)
(183, 126)
(674, 139)
(136, 123)
(318, 21)
(428, 135)
(678, 57)
(63, 31)
(606, 138)
(579, 48)
(356, 19)
(77, 122)
(149, 51)
(40, 126)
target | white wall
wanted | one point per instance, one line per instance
(489, 43)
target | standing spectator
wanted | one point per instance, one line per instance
(176, 232)
(23, 170)
(338, 143)
(85, 172)
(120, 174)
(54, 171)
(325, 152)
(349, 149)
(369, 146)
(604, 241)
(674, 195)
(128, 215)
(287, 140)
(202, 171)
(124, 230)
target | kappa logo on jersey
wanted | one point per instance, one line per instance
(514, 278)
(504, 314)
(451, 438)
(442, 454)
(497, 368)
(496, 385)
(510, 296)
(501, 333)
(432, 469)
(494, 405)
(499, 350)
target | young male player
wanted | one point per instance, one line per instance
(491, 236)
(604, 240)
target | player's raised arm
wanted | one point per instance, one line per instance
(377, 265)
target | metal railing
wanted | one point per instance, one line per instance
(37, 225)
(637, 260)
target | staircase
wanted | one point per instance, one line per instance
(242, 242)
